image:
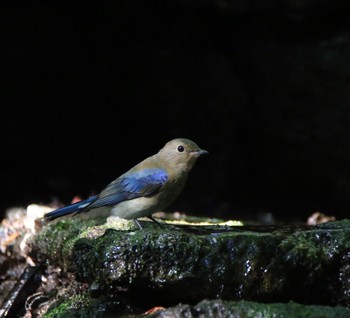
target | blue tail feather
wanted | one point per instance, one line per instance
(70, 209)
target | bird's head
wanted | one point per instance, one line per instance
(181, 154)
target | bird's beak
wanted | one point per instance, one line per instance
(200, 152)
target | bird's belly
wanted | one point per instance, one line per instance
(135, 208)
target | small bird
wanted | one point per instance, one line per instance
(150, 186)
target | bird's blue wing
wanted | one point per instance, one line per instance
(131, 185)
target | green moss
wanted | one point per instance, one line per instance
(57, 239)
(81, 306)
(78, 306)
(69, 308)
(172, 264)
(248, 309)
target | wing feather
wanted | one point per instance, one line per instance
(131, 185)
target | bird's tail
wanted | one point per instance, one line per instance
(70, 209)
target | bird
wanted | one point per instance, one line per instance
(149, 187)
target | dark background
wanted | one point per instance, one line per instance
(90, 89)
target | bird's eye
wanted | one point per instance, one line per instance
(180, 148)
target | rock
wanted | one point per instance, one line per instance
(248, 309)
(165, 266)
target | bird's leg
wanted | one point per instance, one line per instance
(154, 220)
(138, 224)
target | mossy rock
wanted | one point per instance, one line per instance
(171, 264)
(248, 309)
(84, 307)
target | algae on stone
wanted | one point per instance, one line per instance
(171, 264)
(248, 309)
(81, 306)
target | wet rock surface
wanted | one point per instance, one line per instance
(247, 309)
(162, 266)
